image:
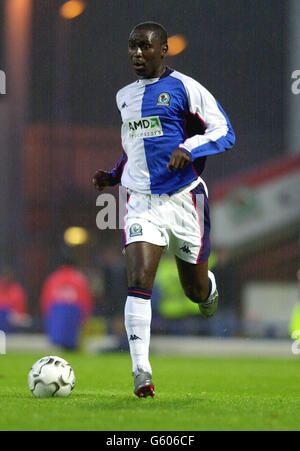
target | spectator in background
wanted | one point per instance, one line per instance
(13, 301)
(112, 307)
(66, 302)
(174, 304)
(226, 269)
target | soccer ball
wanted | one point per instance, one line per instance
(51, 377)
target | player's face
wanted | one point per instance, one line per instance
(146, 54)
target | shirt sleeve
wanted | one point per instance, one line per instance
(219, 135)
(116, 173)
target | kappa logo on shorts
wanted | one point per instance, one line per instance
(186, 249)
(136, 230)
(164, 99)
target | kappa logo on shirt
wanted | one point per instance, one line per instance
(145, 127)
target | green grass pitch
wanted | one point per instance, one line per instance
(193, 394)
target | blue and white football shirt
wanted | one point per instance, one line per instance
(163, 114)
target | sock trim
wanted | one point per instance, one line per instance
(139, 293)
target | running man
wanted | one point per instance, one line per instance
(171, 124)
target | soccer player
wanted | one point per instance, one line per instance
(171, 124)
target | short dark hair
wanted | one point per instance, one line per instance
(159, 30)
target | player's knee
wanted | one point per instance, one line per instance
(196, 293)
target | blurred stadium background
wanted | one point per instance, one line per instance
(59, 124)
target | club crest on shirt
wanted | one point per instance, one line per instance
(136, 230)
(164, 99)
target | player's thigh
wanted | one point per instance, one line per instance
(142, 262)
(194, 279)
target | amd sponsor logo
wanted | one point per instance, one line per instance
(146, 127)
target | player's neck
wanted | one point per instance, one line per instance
(161, 71)
(157, 74)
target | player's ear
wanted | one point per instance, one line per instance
(164, 49)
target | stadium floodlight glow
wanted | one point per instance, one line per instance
(76, 236)
(72, 9)
(177, 44)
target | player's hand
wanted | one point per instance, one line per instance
(101, 179)
(178, 160)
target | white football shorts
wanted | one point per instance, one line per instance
(179, 222)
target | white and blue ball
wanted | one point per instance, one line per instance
(51, 377)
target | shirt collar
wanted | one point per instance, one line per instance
(149, 81)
